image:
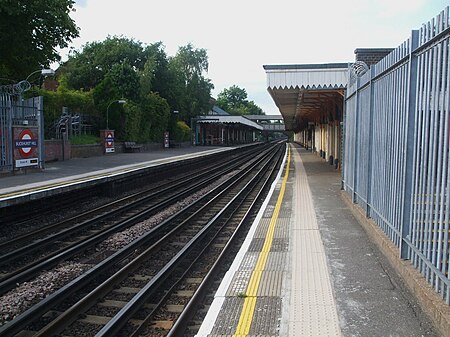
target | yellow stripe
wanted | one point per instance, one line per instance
(72, 181)
(248, 309)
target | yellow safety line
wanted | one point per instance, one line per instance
(248, 309)
(88, 178)
(81, 179)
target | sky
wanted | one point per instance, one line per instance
(240, 36)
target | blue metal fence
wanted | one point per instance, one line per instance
(396, 146)
(15, 111)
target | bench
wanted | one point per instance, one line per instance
(173, 143)
(132, 147)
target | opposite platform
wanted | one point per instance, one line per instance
(62, 176)
(307, 268)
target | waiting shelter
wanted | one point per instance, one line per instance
(224, 130)
(310, 98)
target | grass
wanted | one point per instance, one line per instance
(84, 140)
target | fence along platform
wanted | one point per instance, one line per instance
(396, 161)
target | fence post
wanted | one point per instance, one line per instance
(410, 144)
(355, 156)
(369, 150)
(40, 119)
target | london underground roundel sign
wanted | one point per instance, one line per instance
(26, 143)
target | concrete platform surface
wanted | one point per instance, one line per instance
(321, 275)
(92, 165)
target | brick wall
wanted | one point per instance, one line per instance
(54, 150)
(85, 151)
(371, 55)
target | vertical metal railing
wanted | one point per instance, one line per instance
(396, 165)
(15, 111)
(6, 164)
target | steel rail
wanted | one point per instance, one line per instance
(143, 195)
(120, 319)
(180, 325)
(71, 314)
(30, 270)
(33, 313)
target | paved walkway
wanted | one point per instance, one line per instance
(89, 166)
(329, 280)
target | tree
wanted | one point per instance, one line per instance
(234, 101)
(30, 30)
(86, 69)
(192, 91)
(155, 75)
(146, 121)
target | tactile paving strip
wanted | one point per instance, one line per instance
(256, 245)
(270, 285)
(267, 321)
(276, 261)
(313, 310)
(279, 245)
(239, 283)
(249, 261)
(228, 317)
(262, 228)
(269, 211)
(282, 229)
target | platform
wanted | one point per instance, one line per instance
(75, 173)
(307, 268)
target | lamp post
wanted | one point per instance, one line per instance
(44, 72)
(119, 101)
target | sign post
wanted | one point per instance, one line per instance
(25, 147)
(107, 137)
(166, 139)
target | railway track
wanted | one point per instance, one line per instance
(128, 291)
(23, 257)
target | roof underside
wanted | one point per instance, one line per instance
(228, 120)
(307, 93)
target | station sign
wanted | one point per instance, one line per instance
(26, 147)
(109, 142)
(107, 137)
(166, 139)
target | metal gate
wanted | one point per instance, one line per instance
(16, 114)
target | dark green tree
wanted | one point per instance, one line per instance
(155, 75)
(87, 68)
(190, 87)
(30, 32)
(121, 82)
(234, 101)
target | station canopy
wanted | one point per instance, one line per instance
(307, 93)
(218, 119)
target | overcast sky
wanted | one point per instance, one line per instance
(241, 36)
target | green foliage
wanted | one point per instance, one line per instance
(30, 32)
(234, 101)
(84, 140)
(120, 82)
(155, 75)
(86, 69)
(153, 84)
(54, 101)
(192, 89)
(146, 121)
(181, 132)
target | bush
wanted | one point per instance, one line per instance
(182, 132)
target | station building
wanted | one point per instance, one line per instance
(220, 128)
(311, 99)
